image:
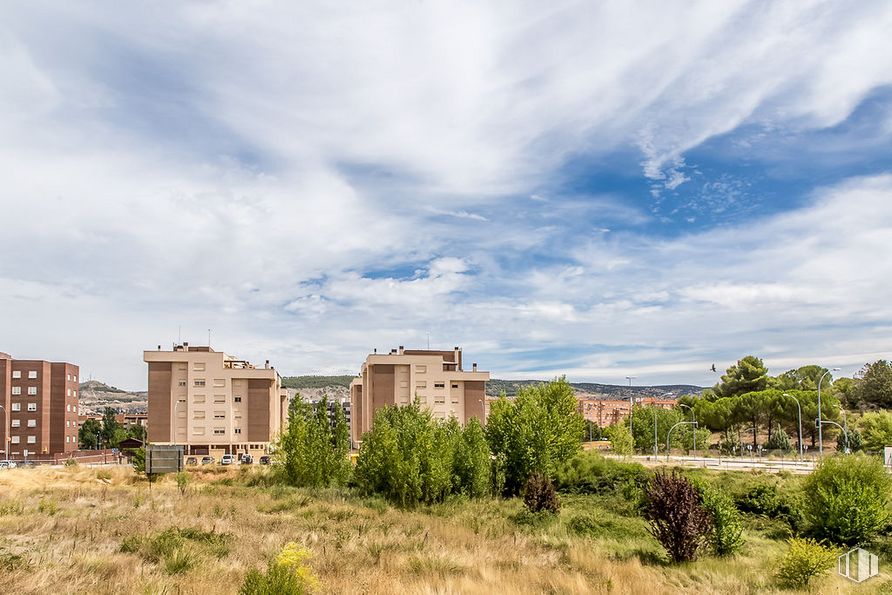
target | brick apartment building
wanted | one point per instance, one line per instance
(607, 412)
(39, 407)
(437, 378)
(212, 403)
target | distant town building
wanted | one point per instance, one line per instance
(346, 407)
(437, 378)
(39, 401)
(606, 412)
(212, 403)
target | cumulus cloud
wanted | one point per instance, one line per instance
(244, 168)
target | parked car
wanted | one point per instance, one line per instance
(191, 461)
(8, 465)
(247, 459)
(227, 460)
(265, 460)
(207, 460)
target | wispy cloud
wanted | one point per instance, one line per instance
(216, 165)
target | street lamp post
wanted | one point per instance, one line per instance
(799, 408)
(820, 423)
(655, 432)
(694, 419)
(669, 435)
(7, 430)
(844, 434)
(631, 403)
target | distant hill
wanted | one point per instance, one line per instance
(97, 386)
(496, 387)
(303, 382)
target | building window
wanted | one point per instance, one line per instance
(219, 415)
(198, 431)
(182, 367)
(32, 390)
(32, 439)
(32, 423)
(219, 398)
(16, 423)
(238, 430)
(454, 385)
(74, 378)
(237, 399)
(32, 406)
(420, 385)
(17, 390)
(16, 406)
(68, 408)
(199, 382)
(439, 385)
(68, 377)
(181, 383)
(67, 438)
(15, 439)
(440, 399)
(198, 415)
(219, 382)
(16, 373)
(67, 423)
(198, 366)
(32, 374)
(74, 394)
(420, 369)
(219, 431)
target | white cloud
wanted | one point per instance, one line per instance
(241, 167)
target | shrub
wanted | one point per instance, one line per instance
(410, 458)
(729, 443)
(70, 462)
(287, 574)
(591, 473)
(846, 499)
(805, 560)
(765, 500)
(182, 482)
(138, 460)
(779, 440)
(47, 506)
(10, 507)
(726, 537)
(539, 494)
(678, 520)
(179, 561)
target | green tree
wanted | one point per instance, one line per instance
(591, 431)
(137, 431)
(876, 430)
(534, 431)
(472, 461)
(779, 440)
(846, 499)
(643, 426)
(874, 389)
(110, 427)
(314, 450)
(87, 434)
(748, 375)
(620, 437)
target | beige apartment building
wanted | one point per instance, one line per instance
(437, 378)
(212, 403)
(39, 407)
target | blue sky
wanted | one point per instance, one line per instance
(591, 189)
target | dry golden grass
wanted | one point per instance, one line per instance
(62, 530)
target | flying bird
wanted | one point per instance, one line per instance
(713, 367)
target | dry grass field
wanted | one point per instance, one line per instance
(79, 530)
